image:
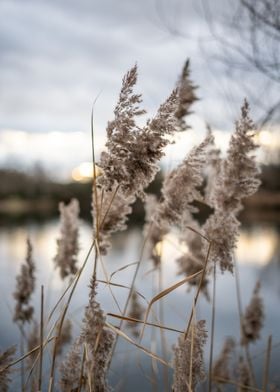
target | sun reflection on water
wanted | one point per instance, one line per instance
(257, 246)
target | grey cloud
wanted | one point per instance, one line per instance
(57, 55)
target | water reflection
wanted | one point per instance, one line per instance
(257, 255)
(257, 246)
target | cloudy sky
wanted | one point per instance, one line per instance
(57, 56)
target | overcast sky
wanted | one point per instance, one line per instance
(57, 56)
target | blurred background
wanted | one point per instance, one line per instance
(58, 57)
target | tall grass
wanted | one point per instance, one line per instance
(128, 165)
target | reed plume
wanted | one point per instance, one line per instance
(25, 287)
(154, 229)
(121, 133)
(239, 171)
(99, 341)
(193, 258)
(33, 340)
(213, 168)
(132, 152)
(136, 311)
(6, 358)
(253, 319)
(70, 369)
(181, 187)
(238, 178)
(68, 243)
(221, 367)
(188, 359)
(244, 377)
(186, 96)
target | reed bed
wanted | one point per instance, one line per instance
(127, 165)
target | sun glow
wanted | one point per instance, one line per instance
(84, 172)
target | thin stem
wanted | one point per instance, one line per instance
(198, 290)
(153, 348)
(22, 362)
(162, 333)
(41, 340)
(240, 312)
(212, 330)
(130, 293)
(266, 364)
(82, 371)
(52, 374)
(24, 356)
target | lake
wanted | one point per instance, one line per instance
(258, 257)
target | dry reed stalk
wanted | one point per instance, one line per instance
(60, 324)
(240, 313)
(98, 256)
(81, 378)
(131, 288)
(199, 288)
(163, 294)
(191, 354)
(237, 384)
(266, 364)
(142, 348)
(134, 320)
(26, 355)
(121, 269)
(212, 330)
(162, 331)
(192, 259)
(41, 339)
(153, 347)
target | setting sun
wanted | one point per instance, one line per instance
(84, 172)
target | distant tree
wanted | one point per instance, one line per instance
(250, 39)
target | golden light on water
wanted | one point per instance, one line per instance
(84, 172)
(257, 247)
(170, 244)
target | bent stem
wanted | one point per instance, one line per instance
(130, 293)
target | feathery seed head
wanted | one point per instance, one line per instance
(187, 96)
(99, 341)
(189, 368)
(6, 358)
(221, 367)
(68, 244)
(25, 287)
(181, 187)
(253, 318)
